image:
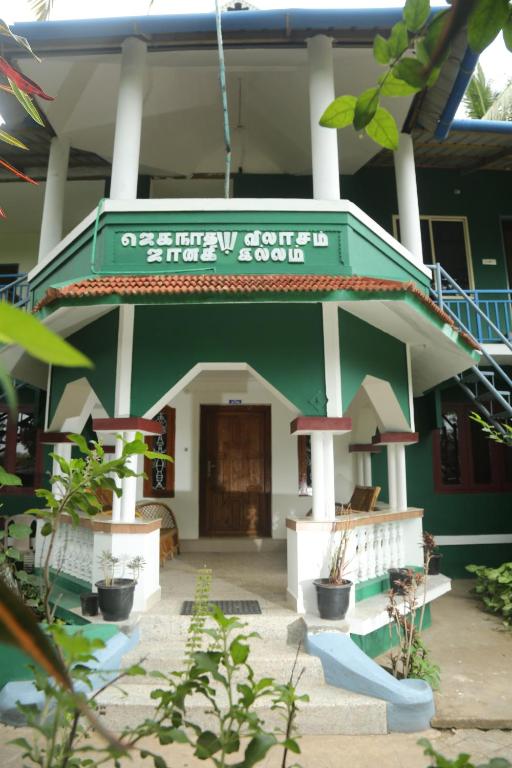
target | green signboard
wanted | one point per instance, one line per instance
(170, 249)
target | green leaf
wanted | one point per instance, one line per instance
(18, 627)
(134, 670)
(381, 50)
(6, 478)
(171, 736)
(81, 442)
(20, 327)
(485, 21)
(339, 113)
(13, 553)
(507, 32)
(392, 86)
(207, 745)
(9, 139)
(383, 129)
(291, 745)
(416, 13)
(8, 389)
(46, 529)
(412, 72)
(366, 108)
(19, 531)
(26, 102)
(239, 652)
(257, 749)
(398, 41)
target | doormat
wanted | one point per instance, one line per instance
(228, 607)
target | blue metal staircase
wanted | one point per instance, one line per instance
(15, 289)
(489, 389)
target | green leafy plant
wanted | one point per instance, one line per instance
(222, 677)
(413, 55)
(412, 659)
(339, 561)
(463, 760)
(200, 613)
(503, 436)
(494, 588)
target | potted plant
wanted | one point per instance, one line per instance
(431, 554)
(333, 593)
(115, 595)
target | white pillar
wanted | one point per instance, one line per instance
(324, 141)
(367, 468)
(122, 406)
(125, 161)
(360, 468)
(332, 363)
(64, 451)
(116, 500)
(401, 478)
(392, 475)
(129, 485)
(318, 475)
(53, 208)
(330, 493)
(407, 193)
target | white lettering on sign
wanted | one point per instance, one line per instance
(258, 245)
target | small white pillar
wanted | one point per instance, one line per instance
(401, 478)
(125, 160)
(318, 475)
(116, 500)
(53, 207)
(330, 495)
(392, 475)
(367, 468)
(360, 469)
(324, 141)
(129, 485)
(407, 194)
(64, 451)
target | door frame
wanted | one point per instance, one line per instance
(203, 459)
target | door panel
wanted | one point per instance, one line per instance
(235, 471)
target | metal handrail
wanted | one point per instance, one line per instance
(439, 273)
(8, 290)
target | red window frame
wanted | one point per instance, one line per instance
(11, 442)
(169, 490)
(497, 456)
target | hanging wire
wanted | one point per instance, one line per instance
(224, 97)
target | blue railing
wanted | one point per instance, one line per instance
(484, 313)
(495, 304)
(15, 289)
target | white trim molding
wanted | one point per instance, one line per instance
(483, 538)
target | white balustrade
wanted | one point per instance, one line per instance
(72, 551)
(378, 548)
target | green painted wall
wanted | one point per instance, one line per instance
(284, 343)
(98, 341)
(450, 514)
(483, 197)
(365, 350)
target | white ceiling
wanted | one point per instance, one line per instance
(182, 127)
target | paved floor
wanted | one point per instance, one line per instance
(393, 751)
(472, 648)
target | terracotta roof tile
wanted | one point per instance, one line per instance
(147, 285)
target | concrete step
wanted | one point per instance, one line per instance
(329, 711)
(276, 663)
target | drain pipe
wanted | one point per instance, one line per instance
(465, 74)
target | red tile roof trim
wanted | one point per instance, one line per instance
(153, 285)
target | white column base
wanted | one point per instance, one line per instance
(126, 546)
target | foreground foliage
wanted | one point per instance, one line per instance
(494, 588)
(463, 760)
(413, 55)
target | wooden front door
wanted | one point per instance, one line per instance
(235, 470)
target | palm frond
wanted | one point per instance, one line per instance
(479, 95)
(42, 9)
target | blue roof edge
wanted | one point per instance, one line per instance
(300, 18)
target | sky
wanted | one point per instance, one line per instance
(496, 61)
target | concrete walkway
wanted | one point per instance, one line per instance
(475, 655)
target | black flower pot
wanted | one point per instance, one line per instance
(333, 599)
(399, 574)
(434, 566)
(116, 599)
(89, 603)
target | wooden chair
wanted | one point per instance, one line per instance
(169, 533)
(363, 499)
